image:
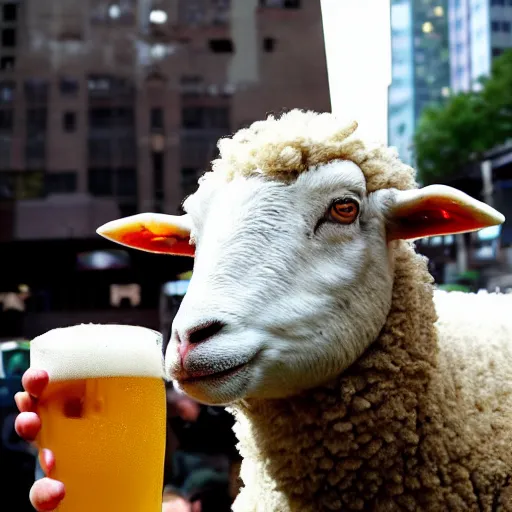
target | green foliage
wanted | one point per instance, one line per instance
(451, 135)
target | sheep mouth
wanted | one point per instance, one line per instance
(211, 377)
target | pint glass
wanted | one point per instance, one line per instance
(103, 415)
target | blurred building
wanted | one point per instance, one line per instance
(420, 66)
(479, 31)
(108, 108)
(488, 252)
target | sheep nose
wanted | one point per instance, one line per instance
(199, 333)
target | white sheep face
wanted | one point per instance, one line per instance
(299, 297)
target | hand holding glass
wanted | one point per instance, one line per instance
(103, 415)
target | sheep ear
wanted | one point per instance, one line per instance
(438, 210)
(151, 232)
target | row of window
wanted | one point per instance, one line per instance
(501, 26)
(37, 90)
(36, 120)
(501, 3)
(119, 119)
(101, 182)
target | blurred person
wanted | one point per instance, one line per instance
(203, 451)
(173, 502)
(14, 311)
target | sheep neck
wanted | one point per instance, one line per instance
(351, 437)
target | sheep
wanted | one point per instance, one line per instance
(354, 384)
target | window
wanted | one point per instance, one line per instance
(35, 149)
(6, 120)
(205, 117)
(104, 117)
(113, 182)
(192, 85)
(100, 152)
(496, 52)
(10, 11)
(505, 26)
(68, 86)
(36, 121)
(8, 37)
(495, 26)
(221, 45)
(7, 91)
(269, 44)
(157, 118)
(99, 83)
(36, 90)
(109, 86)
(287, 4)
(126, 182)
(100, 182)
(61, 183)
(158, 175)
(497, 2)
(69, 122)
(7, 63)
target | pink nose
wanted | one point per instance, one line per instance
(188, 338)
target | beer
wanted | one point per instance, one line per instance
(103, 415)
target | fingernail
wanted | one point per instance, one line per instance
(56, 487)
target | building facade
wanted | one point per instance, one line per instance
(420, 66)
(109, 108)
(479, 31)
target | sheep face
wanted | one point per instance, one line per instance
(286, 292)
(292, 279)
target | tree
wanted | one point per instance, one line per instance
(450, 136)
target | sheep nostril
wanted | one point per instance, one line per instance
(203, 332)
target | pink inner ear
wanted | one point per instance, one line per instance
(434, 216)
(144, 239)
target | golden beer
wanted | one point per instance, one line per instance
(103, 415)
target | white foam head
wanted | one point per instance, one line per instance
(93, 350)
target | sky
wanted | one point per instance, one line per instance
(358, 49)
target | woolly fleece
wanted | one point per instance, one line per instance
(423, 420)
(416, 424)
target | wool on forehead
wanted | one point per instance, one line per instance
(282, 147)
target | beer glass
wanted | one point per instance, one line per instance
(103, 415)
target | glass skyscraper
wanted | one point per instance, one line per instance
(420, 66)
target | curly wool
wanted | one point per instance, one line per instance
(281, 148)
(413, 425)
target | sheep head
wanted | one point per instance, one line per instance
(293, 277)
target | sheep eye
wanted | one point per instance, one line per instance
(343, 211)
